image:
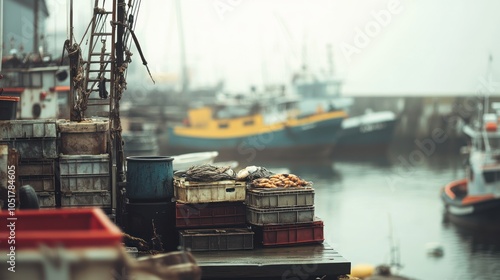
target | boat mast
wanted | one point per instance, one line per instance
(71, 94)
(184, 71)
(486, 105)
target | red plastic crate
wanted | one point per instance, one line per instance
(210, 214)
(69, 227)
(289, 234)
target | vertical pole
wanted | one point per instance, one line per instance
(71, 94)
(118, 92)
(35, 28)
(1, 32)
(185, 76)
(71, 22)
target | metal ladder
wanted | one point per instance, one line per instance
(99, 67)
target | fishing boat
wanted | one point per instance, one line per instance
(477, 196)
(370, 131)
(42, 87)
(258, 124)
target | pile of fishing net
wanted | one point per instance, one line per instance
(207, 173)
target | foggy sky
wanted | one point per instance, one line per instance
(423, 47)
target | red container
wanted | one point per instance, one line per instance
(289, 234)
(70, 228)
(210, 214)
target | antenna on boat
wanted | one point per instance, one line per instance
(487, 146)
(331, 65)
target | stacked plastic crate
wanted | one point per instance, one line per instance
(210, 216)
(36, 143)
(283, 216)
(84, 165)
(60, 244)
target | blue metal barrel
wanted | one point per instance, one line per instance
(149, 178)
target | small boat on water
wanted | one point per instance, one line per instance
(370, 131)
(477, 197)
(258, 124)
(184, 161)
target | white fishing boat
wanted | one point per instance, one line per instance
(477, 196)
(184, 161)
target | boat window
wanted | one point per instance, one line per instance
(223, 125)
(494, 143)
(31, 79)
(36, 79)
(10, 80)
(25, 79)
(491, 176)
(248, 122)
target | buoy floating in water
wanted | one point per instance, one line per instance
(434, 249)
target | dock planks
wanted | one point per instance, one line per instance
(297, 262)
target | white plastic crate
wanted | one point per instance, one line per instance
(205, 192)
(84, 164)
(279, 197)
(84, 173)
(280, 216)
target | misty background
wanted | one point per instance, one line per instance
(428, 47)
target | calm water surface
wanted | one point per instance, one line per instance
(361, 200)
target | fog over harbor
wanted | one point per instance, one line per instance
(384, 47)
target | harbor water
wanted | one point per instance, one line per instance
(369, 203)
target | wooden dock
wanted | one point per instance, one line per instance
(297, 262)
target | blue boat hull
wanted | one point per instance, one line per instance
(307, 140)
